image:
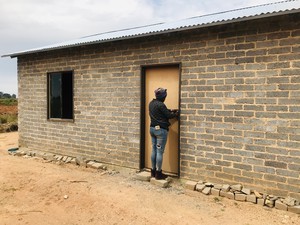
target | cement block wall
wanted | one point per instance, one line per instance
(240, 102)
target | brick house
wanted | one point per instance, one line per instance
(237, 84)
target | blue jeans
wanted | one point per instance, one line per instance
(159, 140)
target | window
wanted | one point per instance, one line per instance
(60, 95)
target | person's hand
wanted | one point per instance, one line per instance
(176, 112)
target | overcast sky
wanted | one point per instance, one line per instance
(26, 24)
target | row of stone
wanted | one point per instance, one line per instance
(60, 159)
(239, 193)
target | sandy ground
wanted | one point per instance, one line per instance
(34, 191)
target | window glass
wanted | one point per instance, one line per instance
(60, 95)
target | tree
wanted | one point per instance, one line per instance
(6, 95)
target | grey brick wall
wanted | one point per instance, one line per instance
(240, 102)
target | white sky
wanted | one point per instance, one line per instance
(26, 24)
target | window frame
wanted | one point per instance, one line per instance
(62, 73)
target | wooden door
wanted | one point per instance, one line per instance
(168, 78)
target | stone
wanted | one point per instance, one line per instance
(68, 160)
(20, 153)
(215, 191)
(208, 184)
(269, 203)
(81, 161)
(265, 196)
(240, 197)
(77, 161)
(191, 185)
(200, 187)
(280, 205)
(246, 191)
(225, 187)
(97, 165)
(251, 198)
(160, 183)
(48, 156)
(218, 186)
(143, 176)
(39, 154)
(226, 194)
(290, 201)
(294, 209)
(236, 187)
(206, 190)
(59, 158)
(274, 198)
(90, 164)
(169, 179)
(64, 158)
(261, 201)
(257, 194)
(73, 161)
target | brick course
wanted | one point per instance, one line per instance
(240, 105)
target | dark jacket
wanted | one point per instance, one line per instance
(160, 114)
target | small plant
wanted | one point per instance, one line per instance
(216, 199)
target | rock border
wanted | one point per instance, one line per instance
(239, 193)
(79, 161)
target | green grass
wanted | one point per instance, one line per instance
(8, 101)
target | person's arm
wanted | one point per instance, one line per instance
(167, 112)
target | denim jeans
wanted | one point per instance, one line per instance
(159, 140)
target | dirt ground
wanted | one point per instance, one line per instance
(9, 109)
(34, 191)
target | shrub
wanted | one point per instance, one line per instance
(3, 120)
(8, 101)
(8, 118)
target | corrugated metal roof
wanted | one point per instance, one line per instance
(266, 10)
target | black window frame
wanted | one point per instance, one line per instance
(64, 109)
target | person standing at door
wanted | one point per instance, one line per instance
(159, 128)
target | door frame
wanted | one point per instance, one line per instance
(143, 108)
